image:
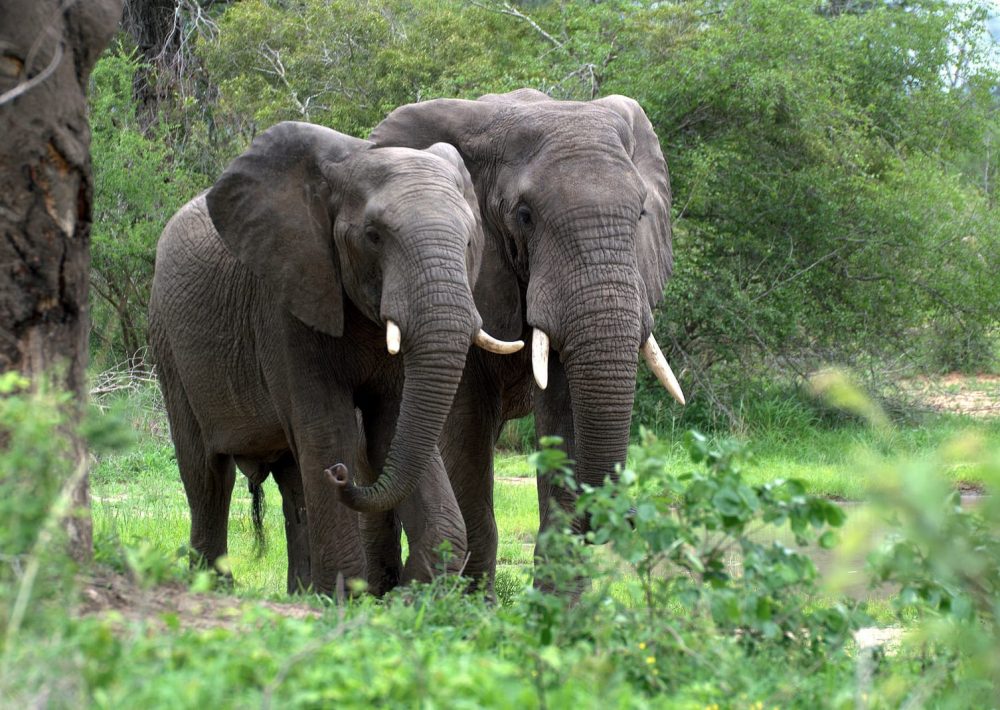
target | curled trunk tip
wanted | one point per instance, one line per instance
(339, 475)
(347, 492)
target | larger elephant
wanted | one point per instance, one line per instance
(277, 300)
(575, 198)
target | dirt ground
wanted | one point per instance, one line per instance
(104, 592)
(974, 395)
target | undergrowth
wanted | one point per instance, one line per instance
(698, 587)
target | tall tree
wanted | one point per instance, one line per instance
(47, 49)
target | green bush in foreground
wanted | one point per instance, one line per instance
(690, 604)
(945, 558)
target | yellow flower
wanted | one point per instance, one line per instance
(650, 660)
(642, 645)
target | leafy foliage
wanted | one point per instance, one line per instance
(38, 473)
(833, 164)
(814, 158)
(138, 185)
(945, 559)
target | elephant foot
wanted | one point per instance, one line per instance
(219, 568)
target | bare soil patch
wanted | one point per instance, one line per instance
(972, 395)
(103, 593)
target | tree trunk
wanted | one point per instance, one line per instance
(47, 49)
(162, 32)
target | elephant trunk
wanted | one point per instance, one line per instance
(600, 358)
(601, 375)
(434, 349)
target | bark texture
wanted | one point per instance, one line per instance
(47, 49)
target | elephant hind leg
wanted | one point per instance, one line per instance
(208, 480)
(293, 504)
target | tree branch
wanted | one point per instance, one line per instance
(511, 11)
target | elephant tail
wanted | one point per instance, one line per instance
(257, 509)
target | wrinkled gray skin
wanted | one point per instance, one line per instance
(267, 315)
(575, 198)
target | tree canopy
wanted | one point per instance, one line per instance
(833, 163)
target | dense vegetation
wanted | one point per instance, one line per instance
(833, 163)
(708, 594)
(834, 173)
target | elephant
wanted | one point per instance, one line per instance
(279, 298)
(575, 199)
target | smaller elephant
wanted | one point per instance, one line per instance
(276, 296)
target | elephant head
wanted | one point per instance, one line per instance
(576, 198)
(335, 226)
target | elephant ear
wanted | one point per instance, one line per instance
(273, 208)
(458, 122)
(451, 155)
(654, 237)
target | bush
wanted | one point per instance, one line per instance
(951, 345)
(945, 559)
(138, 185)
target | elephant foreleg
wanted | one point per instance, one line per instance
(467, 445)
(380, 532)
(435, 530)
(322, 439)
(554, 417)
(430, 517)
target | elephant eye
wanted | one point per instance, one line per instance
(642, 213)
(372, 235)
(524, 215)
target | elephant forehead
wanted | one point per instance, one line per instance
(397, 162)
(429, 198)
(532, 128)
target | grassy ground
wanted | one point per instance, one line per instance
(140, 631)
(139, 502)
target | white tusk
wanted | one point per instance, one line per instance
(658, 364)
(540, 357)
(500, 347)
(392, 337)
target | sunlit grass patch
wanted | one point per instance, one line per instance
(512, 465)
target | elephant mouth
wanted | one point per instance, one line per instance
(482, 339)
(650, 350)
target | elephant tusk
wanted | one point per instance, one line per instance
(658, 364)
(540, 357)
(500, 347)
(392, 337)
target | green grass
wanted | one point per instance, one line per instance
(839, 462)
(139, 500)
(834, 461)
(438, 647)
